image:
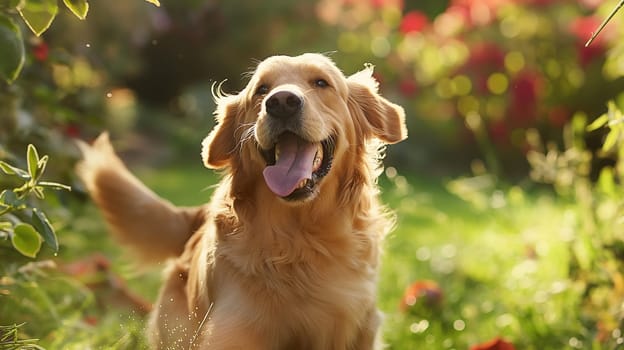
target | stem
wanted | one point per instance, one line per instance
(604, 23)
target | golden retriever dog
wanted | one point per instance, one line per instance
(286, 254)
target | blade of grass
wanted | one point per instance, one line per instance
(604, 23)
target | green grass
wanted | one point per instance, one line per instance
(502, 267)
(502, 272)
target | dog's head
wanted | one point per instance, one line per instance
(298, 123)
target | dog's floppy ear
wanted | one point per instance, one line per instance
(219, 145)
(383, 119)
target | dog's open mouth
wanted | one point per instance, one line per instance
(295, 166)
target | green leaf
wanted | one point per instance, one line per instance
(12, 48)
(41, 166)
(11, 170)
(6, 168)
(584, 252)
(610, 141)
(45, 229)
(78, 7)
(26, 240)
(155, 2)
(5, 225)
(54, 185)
(10, 198)
(38, 191)
(39, 14)
(598, 123)
(4, 208)
(606, 181)
(33, 161)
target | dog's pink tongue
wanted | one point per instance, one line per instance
(293, 165)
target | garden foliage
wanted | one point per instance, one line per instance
(30, 289)
(478, 76)
(514, 80)
(25, 225)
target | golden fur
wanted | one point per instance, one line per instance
(251, 270)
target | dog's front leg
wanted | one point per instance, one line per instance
(225, 332)
(368, 338)
(170, 325)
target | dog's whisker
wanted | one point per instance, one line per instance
(305, 92)
(244, 125)
(201, 324)
(257, 105)
(246, 135)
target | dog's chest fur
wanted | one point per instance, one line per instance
(326, 275)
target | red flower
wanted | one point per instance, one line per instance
(525, 92)
(72, 130)
(485, 58)
(408, 87)
(494, 344)
(582, 28)
(91, 320)
(558, 116)
(499, 132)
(40, 51)
(425, 292)
(413, 22)
(486, 55)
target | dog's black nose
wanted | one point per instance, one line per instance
(284, 104)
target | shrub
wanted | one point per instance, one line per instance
(34, 110)
(481, 74)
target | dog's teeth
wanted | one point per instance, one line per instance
(318, 158)
(302, 183)
(277, 152)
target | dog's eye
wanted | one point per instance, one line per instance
(262, 89)
(322, 83)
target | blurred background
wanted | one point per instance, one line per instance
(476, 77)
(512, 165)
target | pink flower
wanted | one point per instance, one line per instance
(494, 344)
(537, 2)
(476, 12)
(591, 4)
(413, 22)
(385, 3)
